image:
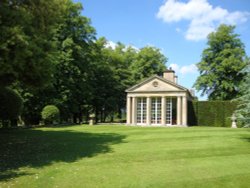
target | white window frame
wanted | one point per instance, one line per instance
(141, 111)
(156, 110)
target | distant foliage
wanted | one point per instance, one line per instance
(10, 105)
(50, 114)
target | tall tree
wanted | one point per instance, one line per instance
(119, 60)
(27, 44)
(75, 40)
(221, 64)
(104, 80)
(68, 88)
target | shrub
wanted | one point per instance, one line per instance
(50, 114)
(10, 106)
(211, 113)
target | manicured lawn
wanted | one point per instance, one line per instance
(119, 156)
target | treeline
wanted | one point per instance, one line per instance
(50, 56)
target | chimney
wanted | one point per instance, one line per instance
(169, 75)
(176, 79)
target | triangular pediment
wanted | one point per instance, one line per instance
(154, 84)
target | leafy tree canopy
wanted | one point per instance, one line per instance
(221, 64)
(27, 43)
(50, 55)
(148, 61)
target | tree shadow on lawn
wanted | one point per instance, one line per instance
(245, 138)
(37, 148)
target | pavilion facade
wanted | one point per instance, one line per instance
(158, 101)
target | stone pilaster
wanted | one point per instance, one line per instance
(179, 116)
(128, 110)
(148, 120)
(134, 111)
(184, 111)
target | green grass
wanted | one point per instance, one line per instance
(119, 156)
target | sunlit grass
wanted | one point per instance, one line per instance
(119, 156)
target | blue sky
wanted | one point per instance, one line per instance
(177, 27)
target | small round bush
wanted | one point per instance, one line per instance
(50, 114)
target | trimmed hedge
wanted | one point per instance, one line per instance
(211, 113)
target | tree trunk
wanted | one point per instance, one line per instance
(96, 116)
(119, 113)
(13, 123)
(75, 118)
(105, 117)
(101, 116)
(112, 118)
(86, 117)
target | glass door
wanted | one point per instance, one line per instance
(141, 110)
(169, 111)
(156, 110)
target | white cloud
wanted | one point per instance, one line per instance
(110, 44)
(178, 30)
(186, 69)
(189, 69)
(133, 47)
(203, 17)
(113, 45)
